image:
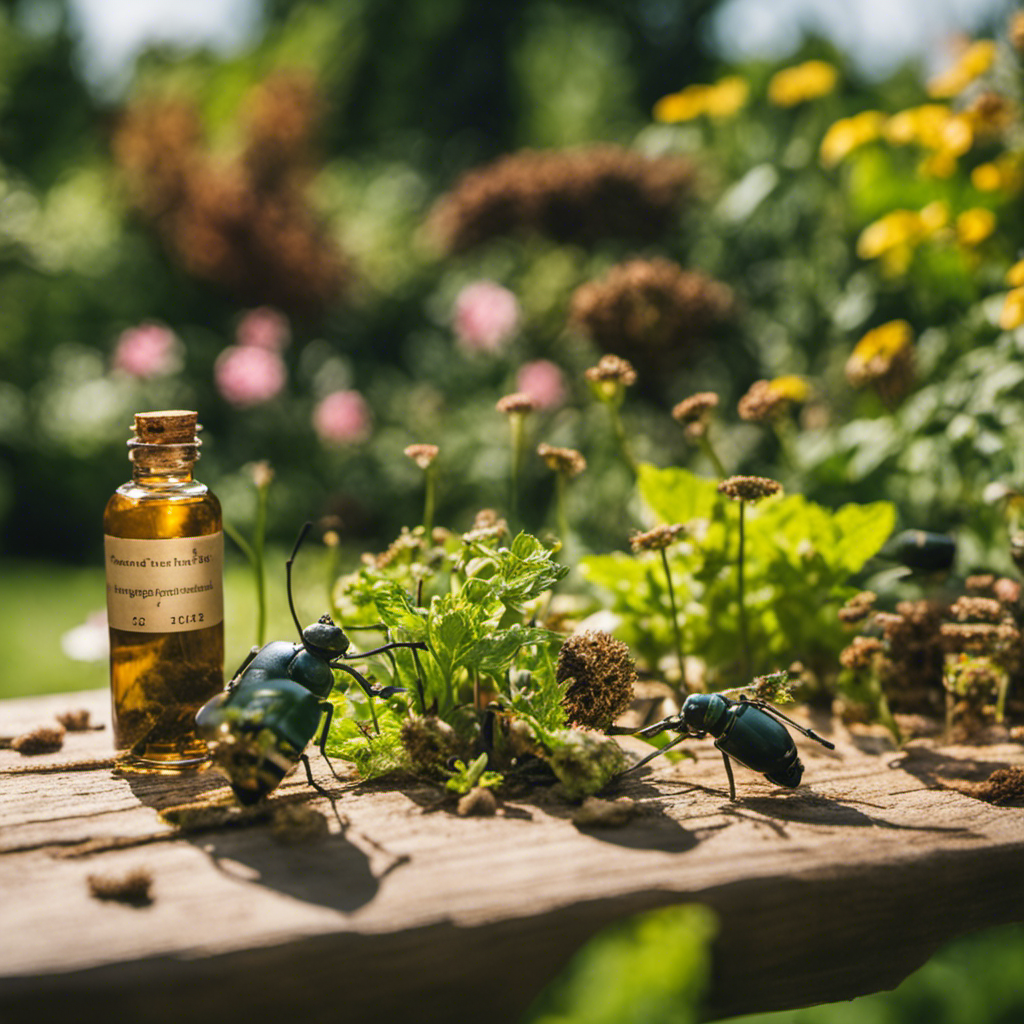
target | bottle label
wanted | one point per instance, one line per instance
(165, 586)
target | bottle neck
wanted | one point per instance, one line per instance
(162, 465)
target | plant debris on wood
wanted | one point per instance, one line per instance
(134, 888)
(44, 740)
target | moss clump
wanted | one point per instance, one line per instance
(584, 762)
(430, 743)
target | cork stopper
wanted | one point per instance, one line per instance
(167, 426)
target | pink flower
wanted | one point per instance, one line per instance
(542, 380)
(246, 375)
(148, 350)
(486, 316)
(264, 328)
(343, 417)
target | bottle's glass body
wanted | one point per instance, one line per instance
(164, 546)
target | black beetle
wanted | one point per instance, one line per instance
(748, 730)
(259, 726)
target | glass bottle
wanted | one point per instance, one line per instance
(165, 602)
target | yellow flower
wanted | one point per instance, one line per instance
(792, 387)
(884, 357)
(802, 82)
(1015, 275)
(922, 125)
(896, 228)
(934, 217)
(849, 133)
(723, 99)
(727, 97)
(972, 63)
(1012, 315)
(975, 225)
(685, 105)
(938, 165)
(1002, 174)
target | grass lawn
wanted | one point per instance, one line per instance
(43, 600)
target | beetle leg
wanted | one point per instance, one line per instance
(329, 714)
(728, 771)
(771, 710)
(673, 722)
(309, 777)
(660, 750)
(416, 645)
(366, 686)
(245, 664)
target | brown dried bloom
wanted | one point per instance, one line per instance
(651, 307)
(487, 525)
(976, 609)
(763, 402)
(578, 195)
(861, 652)
(566, 461)
(133, 888)
(519, 402)
(1004, 785)
(657, 539)
(749, 488)
(858, 608)
(695, 409)
(44, 740)
(980, 583)
(598, 675)
(75, 721)
(612, 369)
(422, 454)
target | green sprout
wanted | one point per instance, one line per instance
(517, 407)
(424, 455)
(466, 777)
(608, 381)
(565, 463)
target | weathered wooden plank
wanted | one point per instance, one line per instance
(408, 912)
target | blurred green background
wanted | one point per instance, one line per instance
(275, 181)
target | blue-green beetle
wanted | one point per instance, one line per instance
(259, 726)
(747, 730)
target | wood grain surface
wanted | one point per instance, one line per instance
(407, 912)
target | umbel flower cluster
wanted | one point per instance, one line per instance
(577, 195)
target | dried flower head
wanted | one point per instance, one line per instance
(976, 609)
(598, 675)
(980, 583)
(749, 488)
(75, 721)
(262, 473)
(422, 454)
(44, 740)
(773, 687)
(487, 525)
(611, 369)
(1008, 591)
(581, 195)
(861, 653)
(1015, 31)
(133, 888)
(657, 539)
(767, 399)
(695, 409)
(566, 461)
(884, 357)
(858, 608)
(518, 403)
(651, 307)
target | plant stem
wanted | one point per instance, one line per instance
(620, 436)
(712, 456)
(517, 421)
(683, 688)
(428, 502)
(258, 539)
(561, 519)
(744, 634)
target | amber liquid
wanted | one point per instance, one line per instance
(160, 680)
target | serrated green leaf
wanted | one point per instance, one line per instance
(494, 653)
(864, 529)
(397, 610)
(675, 495)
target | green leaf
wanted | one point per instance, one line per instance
(864, 529)
(397, 610)
(494, 653)
(675, 495)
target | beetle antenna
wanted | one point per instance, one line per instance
(306, 527)
(769, 709)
